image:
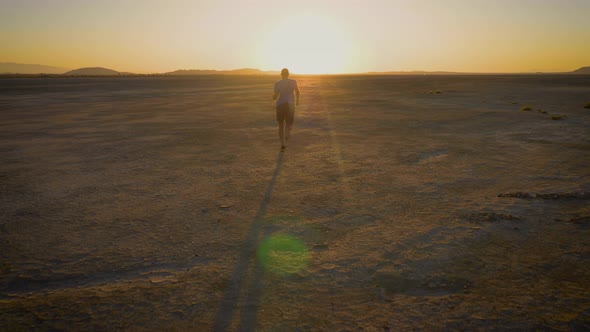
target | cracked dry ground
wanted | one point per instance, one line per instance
(141, 204)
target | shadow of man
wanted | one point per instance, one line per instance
(247, 265)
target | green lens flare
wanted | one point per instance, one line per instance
(283, 254)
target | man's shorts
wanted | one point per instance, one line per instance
(286, 111)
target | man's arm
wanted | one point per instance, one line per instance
(296, 94)
(276, 91)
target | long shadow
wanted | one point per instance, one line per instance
(229, 304)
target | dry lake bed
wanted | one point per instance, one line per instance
(433, 203)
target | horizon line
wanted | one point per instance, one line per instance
(273, 71)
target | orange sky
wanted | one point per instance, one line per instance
(306, 36)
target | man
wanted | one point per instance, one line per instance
(284, 91)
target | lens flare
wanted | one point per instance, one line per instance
(283, 254)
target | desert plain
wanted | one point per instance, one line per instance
(428, 203)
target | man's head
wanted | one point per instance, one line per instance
(285, 72)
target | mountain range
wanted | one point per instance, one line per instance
(92, 71)
(97, 71)
(19, 68)
(583, 70)
(243, 71)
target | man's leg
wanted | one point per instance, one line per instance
(290, 120)
(281, 122)
(282, 135)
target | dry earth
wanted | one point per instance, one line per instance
(142, 204)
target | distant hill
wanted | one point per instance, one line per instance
(23, 68)
(583, 70)
(243, 71)
(94, 71)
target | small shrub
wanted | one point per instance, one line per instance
(514, 103)
(587, 105)
(558, 117)
(437, 91)
(526, 108)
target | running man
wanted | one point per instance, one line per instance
(284, 90)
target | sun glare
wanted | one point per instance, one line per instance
(308, 44)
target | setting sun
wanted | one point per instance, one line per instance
(309, 44)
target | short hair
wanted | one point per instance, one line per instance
(285, 72)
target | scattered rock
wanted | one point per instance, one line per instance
(328, 266)
(303, 273)
(550, 196)
(517, 194)
(157, 279)
(558, 117)
(577, 220)
(582, 195)
(432, 156)
(320, 246)
(491, 216)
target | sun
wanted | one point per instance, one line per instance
(308, 44)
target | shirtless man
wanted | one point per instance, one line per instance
(285, 90)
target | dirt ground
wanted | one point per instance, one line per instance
(429, 203)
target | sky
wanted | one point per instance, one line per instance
(318, 36)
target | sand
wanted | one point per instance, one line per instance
(141, 204)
